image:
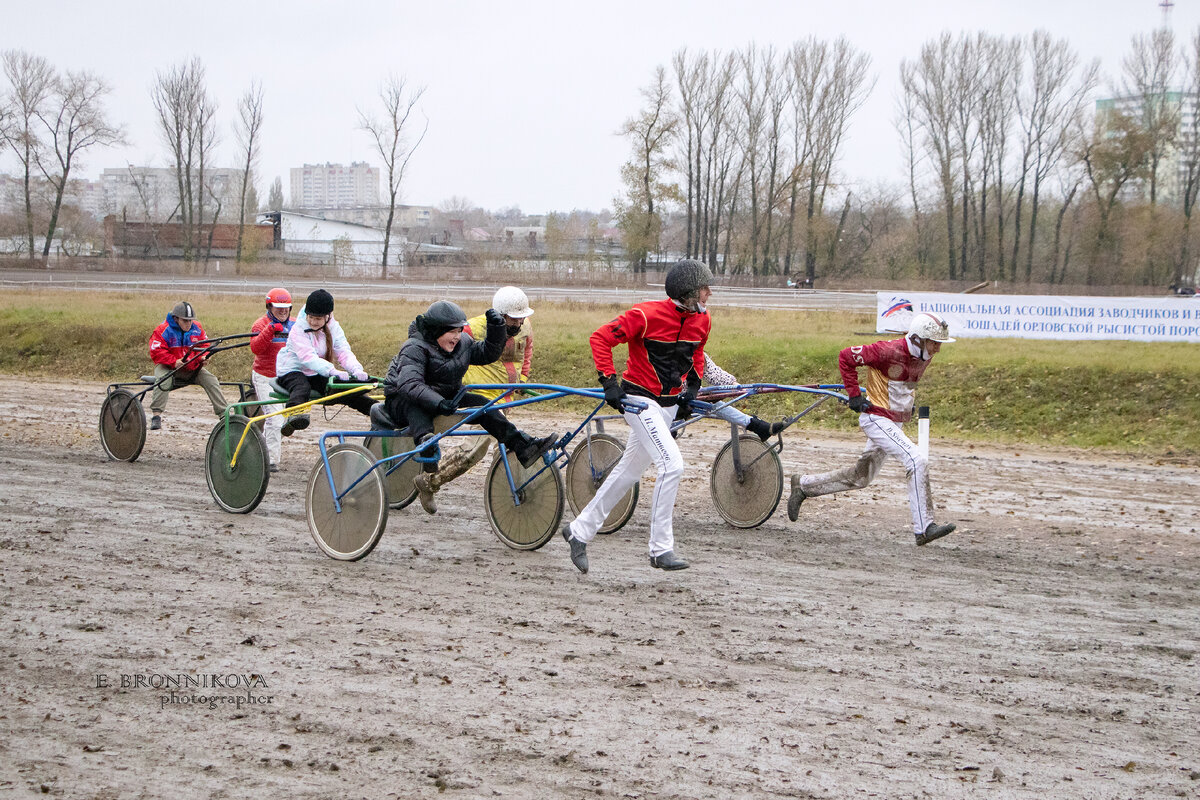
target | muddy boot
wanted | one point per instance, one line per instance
(797, 497)
(934, 531)
(668, 561)
(156, 423)
(425, 492)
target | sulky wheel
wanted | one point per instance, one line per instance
(529, 525)
(591, 462)
(399, 483)
(353, 532)
(122, 426)
(750, 501)
(237, 487)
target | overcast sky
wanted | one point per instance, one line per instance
(523, 99)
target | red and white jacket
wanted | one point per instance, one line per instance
(666, 348)
(266, 343)
(892, 375)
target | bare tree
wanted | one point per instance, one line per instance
(849, 88)
(31, 83)
(928, 81)
(750, 94)
(249, 122)
(723, 150)
(649, 133)
(965, 99)
(1189, 153)
(777, 91)
(186, 119)
(1117, 152)
(906, 125)
(997, 107)
(391, 137)
(1049, 114)
(690, 78)
(74, 120)
(1148, 72)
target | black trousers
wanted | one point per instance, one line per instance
(420, 421)
(299, 386)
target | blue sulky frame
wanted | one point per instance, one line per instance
(747, 477)
(510, 490)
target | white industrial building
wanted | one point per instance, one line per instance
(355, 250)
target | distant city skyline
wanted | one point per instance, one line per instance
(523, 101)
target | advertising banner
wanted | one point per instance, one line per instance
(1141, 319)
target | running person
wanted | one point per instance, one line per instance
(270, 335)
(666, 341)
(893, 369)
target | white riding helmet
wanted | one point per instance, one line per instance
(930, 327)
(511, 302)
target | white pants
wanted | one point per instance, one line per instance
(884, 438)
(271, 425)
(649, 441)
(735, 415)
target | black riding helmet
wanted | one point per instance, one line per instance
(439, 318)
(319, 303)
(685, 280)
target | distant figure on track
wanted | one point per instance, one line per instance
(270, 335)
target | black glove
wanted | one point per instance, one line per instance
(494, 317)
(684, 402)
(446, 406)
(859, 403)
(613, 393)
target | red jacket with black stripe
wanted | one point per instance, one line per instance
(666, 348)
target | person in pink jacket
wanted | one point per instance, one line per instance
(317, 351)
(893, 369)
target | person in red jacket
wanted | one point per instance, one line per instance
(173, 346)
(893, 369)
(270, 335)
(666, 341)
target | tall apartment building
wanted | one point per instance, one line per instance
(335, 185)
(1172, 170)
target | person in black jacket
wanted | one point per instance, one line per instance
(427, 373)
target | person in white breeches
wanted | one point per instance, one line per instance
(893, 369)
(665, 340)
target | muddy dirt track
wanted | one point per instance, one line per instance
(1046, 649)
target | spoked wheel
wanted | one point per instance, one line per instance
(122, 426)
(749, 502)
(354, 532)
(240, 487)
(591, 462)
(529, 525)
(399, 483)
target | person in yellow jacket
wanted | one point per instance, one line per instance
(513, 366)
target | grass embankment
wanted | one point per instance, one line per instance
(1122, 396)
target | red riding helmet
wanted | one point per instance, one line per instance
(279, 298)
